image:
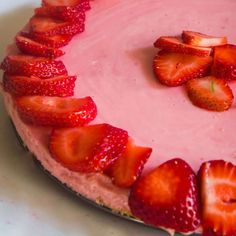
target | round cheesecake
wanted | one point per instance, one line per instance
(113, 61)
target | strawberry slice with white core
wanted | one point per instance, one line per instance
(174, 69)
(55, 41)
(202, 40)
(174, 44)
(126, 170)
(224, 65)
(64, 13)
(61, 86)
(168, 197)
(56, 111)
(89, 148)
(210, 93)
(47, 26)
(218, 196)
(33, 48)
(33, 66)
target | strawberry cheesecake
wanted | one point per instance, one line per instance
(145, 130)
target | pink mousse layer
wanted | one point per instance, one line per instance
(113, 60)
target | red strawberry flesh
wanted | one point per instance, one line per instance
(210, 93)
(33, 66)
(218, 196)
(56, 111)
(126, 170)
(168, 197)
(173, 44)
(55, 41)
(33, 48)
(174, 69)
(85, 4)
(64, 13)
(224, 65)
(202, 40)
(47, 26)
(61, 86)
(89, 148)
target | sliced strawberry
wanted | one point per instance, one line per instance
(55, 41)
(47, 26)
(61, 86)
(174, 69)
(64, 13)
(173, 44)
(218, 196)
(85, 4)
(70, 3)
(89, 148)
(202, 40)
(33, 66)
(224, 65)
(33, 48)
(210, 93)
(167, 197)
(56, 111)
(125, 170)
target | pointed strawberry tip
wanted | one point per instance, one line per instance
(128, 167)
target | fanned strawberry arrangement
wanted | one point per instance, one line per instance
(206, 64)
(43, 90)
(43, 94)
(171, 196)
